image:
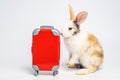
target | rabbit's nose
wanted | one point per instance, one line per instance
(61, 34)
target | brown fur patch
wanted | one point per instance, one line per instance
(94, 41)
(98, 51)
(92, 38)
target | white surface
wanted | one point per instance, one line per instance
(18, 18)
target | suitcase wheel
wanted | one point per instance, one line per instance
(55, 73)
(36, 72)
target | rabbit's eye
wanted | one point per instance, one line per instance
(70, 28)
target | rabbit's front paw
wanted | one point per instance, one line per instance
(70, 65)
(67, 63)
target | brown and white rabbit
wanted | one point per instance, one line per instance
(84, 48)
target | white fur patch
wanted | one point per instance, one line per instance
(74, 43)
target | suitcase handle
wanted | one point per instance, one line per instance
(55, 31)
(46, 27)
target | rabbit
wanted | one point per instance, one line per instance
(83, 47)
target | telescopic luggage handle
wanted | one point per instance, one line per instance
(46, 27)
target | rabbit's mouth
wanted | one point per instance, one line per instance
(64, 36)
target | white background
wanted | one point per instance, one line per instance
(18, 18)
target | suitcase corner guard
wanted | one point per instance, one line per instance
(56, 32)
(35, 31)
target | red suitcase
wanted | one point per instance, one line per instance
(45, 50)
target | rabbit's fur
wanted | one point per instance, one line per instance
(83, 47)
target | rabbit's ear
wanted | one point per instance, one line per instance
(80, 18)
(72, 15)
